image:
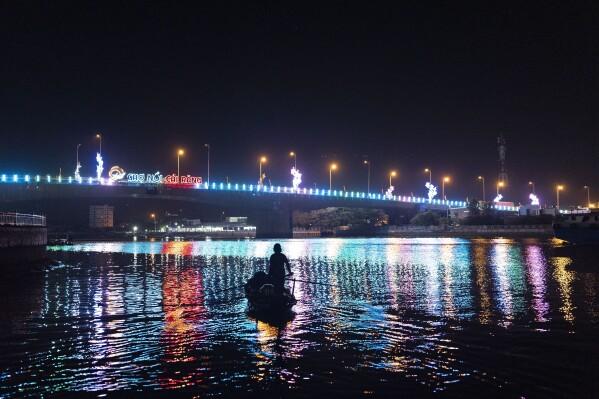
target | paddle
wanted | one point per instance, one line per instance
(312, 282)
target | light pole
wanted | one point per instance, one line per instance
(262, 160)
(446, 179)
(500, 184)
(391, 175)
(331, 169)
(99, 137)
(482, 179)
(208, 173)
(588, 195)
(153, 217)
(294, 155)
(532, 184)
(78, 145)
(367, 163)
(180, 152)
(430, 174)
(558, 188)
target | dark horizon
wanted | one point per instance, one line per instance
(408, 87)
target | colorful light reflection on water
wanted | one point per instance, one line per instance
(428, 315)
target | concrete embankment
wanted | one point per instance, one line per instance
(469, 231)
(22, 244)
(436, 231)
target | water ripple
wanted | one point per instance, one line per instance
(427, 316)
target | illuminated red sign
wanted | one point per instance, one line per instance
(182, 180)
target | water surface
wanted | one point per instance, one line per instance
(417, 317)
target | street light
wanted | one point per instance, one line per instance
(331, 169)
(180, 152)
(153, 216)
(262, 160)
(367, 163)
(430, 174)
(446, 179)
(208, 173)
(532, 184)
(78, 145)
(558, 188)
(588, 195)
(391, 174)
(482, 179)
(294, 155)
(99, 137)
(500, 184)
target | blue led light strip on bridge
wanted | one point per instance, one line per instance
(236, 187)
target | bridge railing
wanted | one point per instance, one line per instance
(21, 219)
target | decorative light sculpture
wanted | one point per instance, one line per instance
(116, 173)
(534, 200)
(498, 198)
(432, 191)
(389, 192)
(100, 166)
(297, 178)
(77, 174)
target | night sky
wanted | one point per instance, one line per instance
(408, 87)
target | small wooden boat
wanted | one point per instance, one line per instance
(263, 298)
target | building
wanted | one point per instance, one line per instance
(529, 210)
(101, 216)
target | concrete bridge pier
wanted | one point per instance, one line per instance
(275, 222)
(20, 245)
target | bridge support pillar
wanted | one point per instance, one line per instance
(273, 223)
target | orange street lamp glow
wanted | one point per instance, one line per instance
(446, 179)
(331, 169)
(261, 178)
(179, 153)
(558, 188)
(99, 137)
(430, 174)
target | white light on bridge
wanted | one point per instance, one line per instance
(37, 178)
(15, 178)
(27, 178)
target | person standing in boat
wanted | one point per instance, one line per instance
(276, 268)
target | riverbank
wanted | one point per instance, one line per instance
(541, 231)
(434, 231)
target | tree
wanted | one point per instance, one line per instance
(425, 219)
(473, 207)
(330, 218)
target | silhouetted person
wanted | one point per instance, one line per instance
(276, 269)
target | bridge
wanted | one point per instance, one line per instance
(269, 208)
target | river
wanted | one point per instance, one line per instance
(438, 317)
